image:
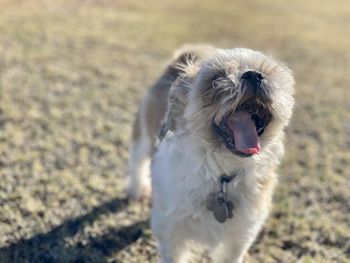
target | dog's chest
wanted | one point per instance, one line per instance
(184, 184)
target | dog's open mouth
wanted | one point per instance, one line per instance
(240, 131)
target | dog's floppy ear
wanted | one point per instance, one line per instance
(184, 67)
(176, 105)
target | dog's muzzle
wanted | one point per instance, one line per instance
(241, 129)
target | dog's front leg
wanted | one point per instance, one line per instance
(231, 253)
(235, 244)
(172, 251)
(171, 239)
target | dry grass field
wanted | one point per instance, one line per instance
(71, 76)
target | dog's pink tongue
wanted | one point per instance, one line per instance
(244, 132)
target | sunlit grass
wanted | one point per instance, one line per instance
(71, 76)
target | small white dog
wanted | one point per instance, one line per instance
(220, 116)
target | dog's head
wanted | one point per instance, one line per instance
(240, 99)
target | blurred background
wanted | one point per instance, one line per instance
(71, 76)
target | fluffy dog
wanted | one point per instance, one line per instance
(220, 116)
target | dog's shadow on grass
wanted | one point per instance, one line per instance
(52, 246)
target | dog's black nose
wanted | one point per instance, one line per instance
(253, 77)
(252, 80)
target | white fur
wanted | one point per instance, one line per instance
(186, 166)
(181, 182)
(139, 184)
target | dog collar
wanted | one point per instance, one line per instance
(218, 202)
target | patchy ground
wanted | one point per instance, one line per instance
(71, 76)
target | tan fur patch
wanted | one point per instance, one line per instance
(157, 100)
(136, 129)
(267, 185)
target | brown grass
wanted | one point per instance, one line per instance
(72, 74)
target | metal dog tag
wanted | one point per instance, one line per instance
(221, 208)
(221, 212)
(230, 208)
(218, 203)
(211, 201)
